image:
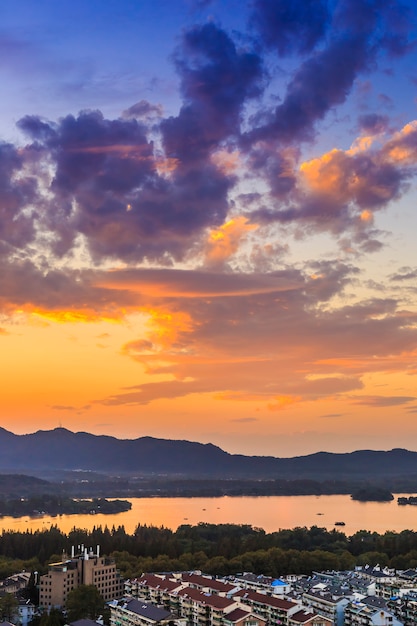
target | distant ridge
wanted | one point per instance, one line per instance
(62, 449)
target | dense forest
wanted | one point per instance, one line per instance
(138, 487)
(93, 485)
(215, 549)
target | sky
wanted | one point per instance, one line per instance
(208, 221)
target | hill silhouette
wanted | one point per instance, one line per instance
(61, 449)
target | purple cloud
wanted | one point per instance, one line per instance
(373, 123)
(289, 27)
(216, 80)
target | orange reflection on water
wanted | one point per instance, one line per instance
(268, 512)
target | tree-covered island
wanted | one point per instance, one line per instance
(372, 494)
(56, 505)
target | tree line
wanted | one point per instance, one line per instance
(217, 549)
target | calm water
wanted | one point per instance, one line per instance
(270, 513)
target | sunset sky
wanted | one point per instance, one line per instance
(208, 221)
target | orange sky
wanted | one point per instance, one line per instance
(217, 245)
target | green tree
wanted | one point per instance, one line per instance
(31, 592)
(8, 608)
(55, 617)
(85, 601)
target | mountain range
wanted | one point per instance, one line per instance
(60, 449)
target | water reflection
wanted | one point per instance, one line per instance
(268, 512)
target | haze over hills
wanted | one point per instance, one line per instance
(61, 449)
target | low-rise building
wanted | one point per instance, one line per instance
(274, 610)
(241, 617)
(26, 611)
(370, 611)
(208, 584)
(264, 584)
(200, 608)
(329, 605)
(307, 617)
(133, 612)
(155, 588)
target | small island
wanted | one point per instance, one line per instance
(372, 494)
(52, 505)
(410, 500)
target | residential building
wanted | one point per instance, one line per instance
(209, 584)
(15, 583)
(264, 584)
(26, 611)
(87, 568)
(370, 611)
(329, 605)
(307, 617)
(240, 617)
(405, 608)
(155, 588)
(201, 608)
(274, 610)
(133, 612)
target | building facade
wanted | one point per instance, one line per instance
(87, 568)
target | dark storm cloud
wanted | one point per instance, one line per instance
(145, 188)
(16, 193)
(321, 82)
(108, 188)
(216, 79)
(359, 31)
(289, 27)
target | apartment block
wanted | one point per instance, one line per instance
(275, 611)
(370, 611)
(87, 568)
(327, 604)
(132, 612)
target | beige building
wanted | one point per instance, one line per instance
(86, 568)
(133, 612)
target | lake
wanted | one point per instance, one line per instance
(268, 512)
